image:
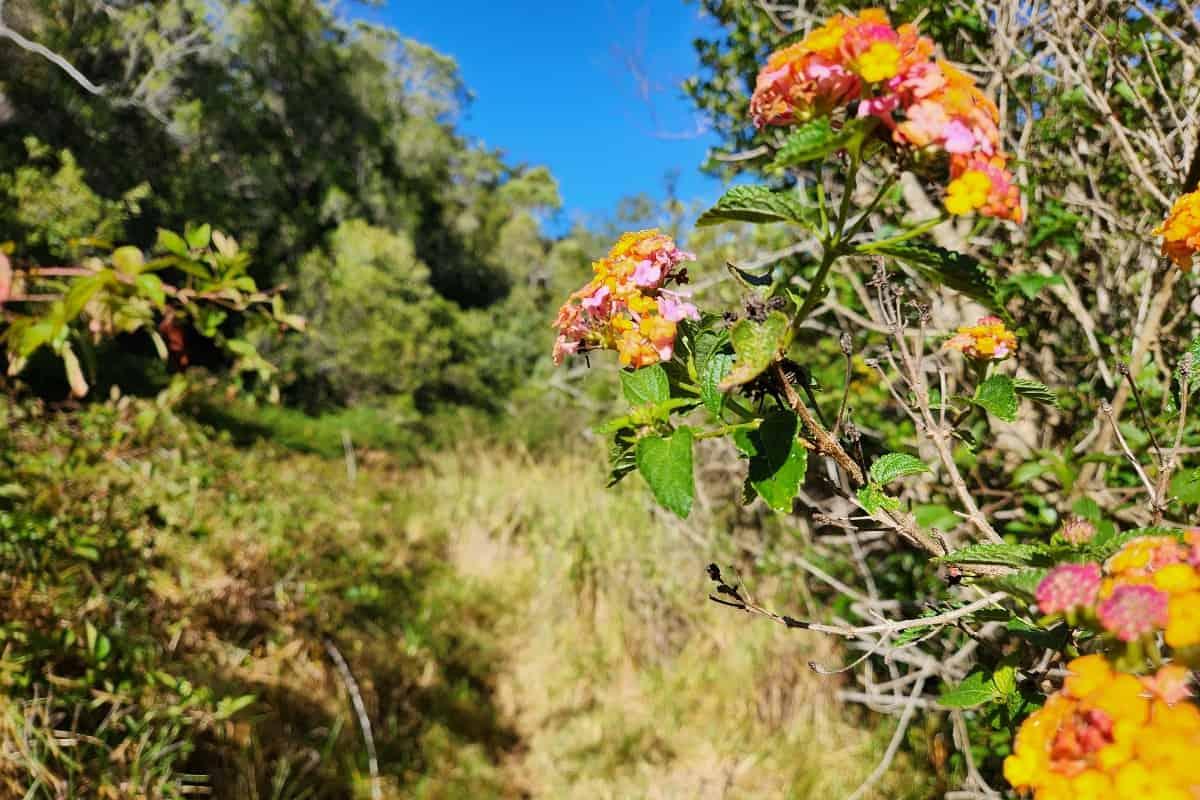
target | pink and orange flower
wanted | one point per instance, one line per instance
(626, 306)
(890, 73)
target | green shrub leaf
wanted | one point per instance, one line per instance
(812, 141)
(873, 499)
(756, 345)
(998, 396)
(757, 204)
(958, 271)
(666, 464)
(890, 466)
(1036, 391)
(1011, 555)
(778, 461)
(645, 385)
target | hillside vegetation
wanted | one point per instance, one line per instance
(513, 628)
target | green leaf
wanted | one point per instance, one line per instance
(198, 237)
(151, 287)
(778, 460)
(1021, 584)
(666, 464)
(1054, 638)
(81, 293)
(1036, 391)
(975, 690)
(756, 345)
(1011, 555)
(812, 142)
(645, 385)
(172, 242)
(873, 499)
(890, 466)
(621, 458)
(757, 204)
(712, 371)
(1185, 487)
(128, 260)
(958, 271)
(998, 395)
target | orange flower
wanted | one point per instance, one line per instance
(986, 340)
(1181, 231)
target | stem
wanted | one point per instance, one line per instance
(725, 430)
(911, 233)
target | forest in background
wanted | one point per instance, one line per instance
(241, 530)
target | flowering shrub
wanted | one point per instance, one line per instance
(1060, 653)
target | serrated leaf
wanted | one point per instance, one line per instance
(756, 345)
(711, 372)
(1010, 555)
(1021, 584)
(1036, 391)
(779, 460)
(645, 385)
(958, 271)
(622, 459)
(975, 690)
(873, 498)
(998, 396)
(757, 204)
(812, 141)
(666, 464)
(890, 466)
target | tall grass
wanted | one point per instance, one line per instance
(515, 629)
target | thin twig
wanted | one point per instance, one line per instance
(360, 709)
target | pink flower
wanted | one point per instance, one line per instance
(648, 273)
(673, 309)
(1067, 587)
(564, 347)
(958, 137)
(1133, 611)
(595, 301)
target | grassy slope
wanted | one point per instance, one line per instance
(515, 629)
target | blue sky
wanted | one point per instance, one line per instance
(590, 89)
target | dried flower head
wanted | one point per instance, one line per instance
(1078, 530)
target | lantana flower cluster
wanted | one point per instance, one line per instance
(1109, 735)
(626, 307)
(864, 64)
(1151, 584)
(1181, 231)
(987, 340)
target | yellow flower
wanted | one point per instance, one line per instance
(880, 62)
(1177, 579)
(968, 192)
(1087, 674)
(1181, 230)
(1183, 620)
(987, 339)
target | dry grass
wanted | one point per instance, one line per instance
(623, 680)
